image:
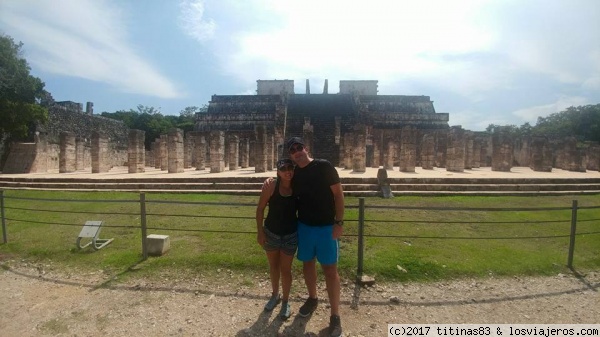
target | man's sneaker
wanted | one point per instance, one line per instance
(286, 311)
(335, 326)
(308, 307)
(273, 301)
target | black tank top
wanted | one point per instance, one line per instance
(281, 218)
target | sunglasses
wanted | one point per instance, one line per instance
(296, 148)
(286, 168)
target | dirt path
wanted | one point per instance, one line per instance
(38, 303)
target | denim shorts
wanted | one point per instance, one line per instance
(286, 243)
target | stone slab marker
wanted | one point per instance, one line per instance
(234, 152)
(217, 151)
(175, 151)
(245, 153)
(260, 161)
(359, 155)
(455, 151)
(502, 152)
(99, 153)
(428, 152)
(67, 157)
(136, 152)
(408, 150)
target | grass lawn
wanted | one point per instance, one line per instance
(438, 238)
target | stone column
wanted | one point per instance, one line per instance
(390, 149)
(476, 152)
(217, 151)
(376, 149)
(270, 152)
(441, 147)
(156, 153)
(135, 151)
(574, 157)
(468, 150)
(99, 153)
(541, 155)
(428, 152)
(593, 155)
(164, 152)
(188, 148)
(308, 135)
(245, 152)
(79, 154)
(455, 151)
(260, 158)
(502, 151)
(234, 152)
(67, 157)
(175, 151)
(359, 154)
(408, 149)
(200, 150)
(348, 140)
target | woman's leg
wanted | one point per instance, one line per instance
(285, 266)
(274, 269)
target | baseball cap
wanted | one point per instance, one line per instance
(284, 162)
(292, 141)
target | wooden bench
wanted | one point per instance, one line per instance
(91, 230)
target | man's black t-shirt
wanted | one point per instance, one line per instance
(311, 185)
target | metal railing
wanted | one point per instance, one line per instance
(362, 219)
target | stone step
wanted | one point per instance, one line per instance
(353, 189)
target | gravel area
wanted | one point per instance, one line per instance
(35, 301)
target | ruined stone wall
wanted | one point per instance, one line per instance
(82, 125)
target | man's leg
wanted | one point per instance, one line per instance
(309, 269)
(332, 280)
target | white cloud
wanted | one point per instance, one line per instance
(191, 20)
(85, 39)
(532, 113)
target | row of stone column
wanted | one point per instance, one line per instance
(456, 150)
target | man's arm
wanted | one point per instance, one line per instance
(338, 198)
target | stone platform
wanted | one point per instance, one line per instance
(479, 181)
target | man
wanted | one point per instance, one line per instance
(320, 202)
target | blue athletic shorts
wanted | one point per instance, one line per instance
(317, 242)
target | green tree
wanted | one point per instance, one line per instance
(20, 93)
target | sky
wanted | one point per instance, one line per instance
(504, 62)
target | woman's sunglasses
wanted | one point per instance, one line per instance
(286, 168)
(296, 148)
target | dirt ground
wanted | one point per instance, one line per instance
(35, 301)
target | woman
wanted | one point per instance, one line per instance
(278, 234)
